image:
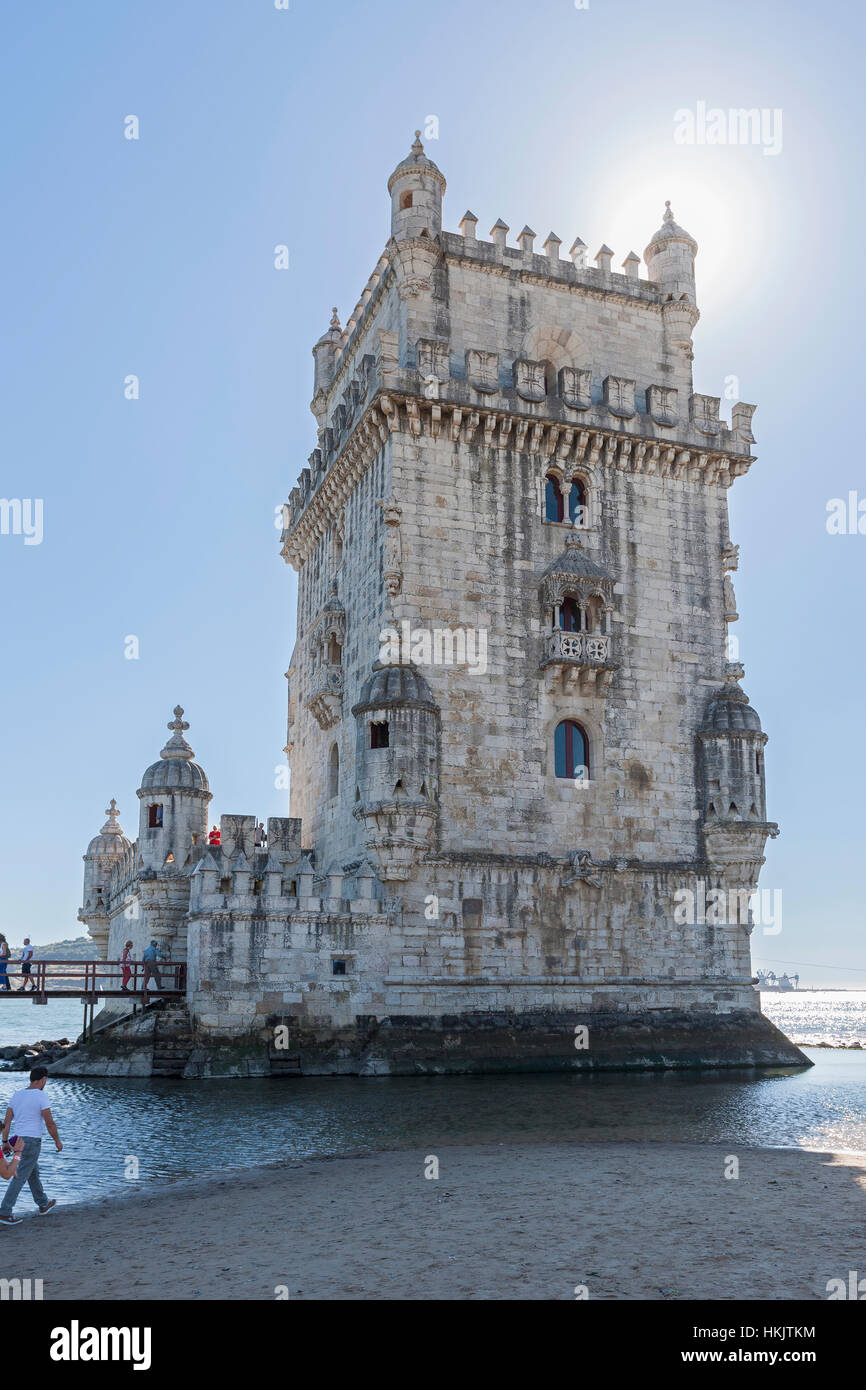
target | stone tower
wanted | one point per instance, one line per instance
(521, 761)
(147, 884)
(510, 688)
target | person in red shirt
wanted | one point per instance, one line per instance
(214, 836)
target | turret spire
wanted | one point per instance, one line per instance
(177, 746)
(111, 826)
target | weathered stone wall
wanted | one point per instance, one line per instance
(329, 825)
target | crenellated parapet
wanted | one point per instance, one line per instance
(565, 427)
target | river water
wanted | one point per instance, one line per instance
(120, 1134)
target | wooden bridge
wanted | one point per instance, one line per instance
(94, 981)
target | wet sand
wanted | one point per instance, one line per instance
(524, 1221)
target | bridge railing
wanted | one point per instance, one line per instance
(95, 977)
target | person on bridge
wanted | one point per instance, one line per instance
(215, 836)
(150, 956)
(26, 966)
(126, 973)
(261, 837)
(4, 964)
(29, 1109)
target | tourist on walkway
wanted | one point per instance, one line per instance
(126, 973)
(4, 964)
(214, 836)
(26, 966)
(150, 956)
(261, 836)
(30, 1110)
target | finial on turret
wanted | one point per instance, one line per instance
(111, 826)
(668, 217)
(178, 724)
(177, 746)
(417, 147)
(335, 320)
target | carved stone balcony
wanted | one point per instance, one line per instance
(578, 660)
(326, 695)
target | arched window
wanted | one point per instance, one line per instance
(571, 751)
(577, 509)
(569, 615)
(554, 502)
(333, 771)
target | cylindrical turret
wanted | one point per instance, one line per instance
(670, 260)
(103, 852)
(324, 353)
(396, 765)
(732, 761)
(174, 796)
(416, 187)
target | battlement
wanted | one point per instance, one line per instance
(237, 877)
(264, 887)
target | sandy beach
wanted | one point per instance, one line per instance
(628, 1221)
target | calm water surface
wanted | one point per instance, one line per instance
(179, 1130)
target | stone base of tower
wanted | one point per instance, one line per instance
(542, 1041)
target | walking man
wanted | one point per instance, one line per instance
(30, 1110)
(150, 956)
(26, 966)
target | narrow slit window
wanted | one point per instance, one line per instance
(379, 734)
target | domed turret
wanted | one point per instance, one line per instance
(670, 259)
(397, 685)
(174, 796)
(416, 187)
(396, 765)
(111, 842)
(103, 852)
(732, 745)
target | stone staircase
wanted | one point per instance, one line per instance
(172, 1044)
(283, 1063)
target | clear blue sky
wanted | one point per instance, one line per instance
(155, 257)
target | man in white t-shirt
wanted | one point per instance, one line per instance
(29, 1110)
(26, 966)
